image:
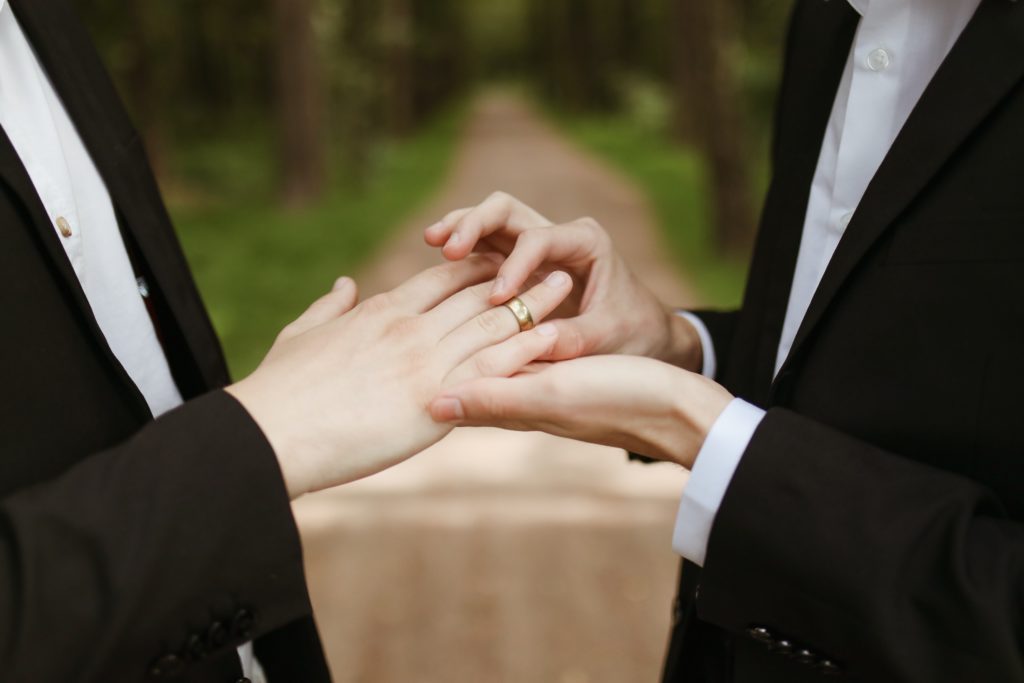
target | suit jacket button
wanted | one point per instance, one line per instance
(783, 647)
(761, 635)
(195, 648)
(167, 666)
(243, 622)
(216, 636)
(677, 610)
(829, 668)
(806, 657)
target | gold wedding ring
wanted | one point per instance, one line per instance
(521, 312)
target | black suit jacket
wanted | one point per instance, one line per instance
(130, 549)
(874, 529)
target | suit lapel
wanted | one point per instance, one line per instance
(66, 52)
(13, 173)
(820, 37)
(981, 69)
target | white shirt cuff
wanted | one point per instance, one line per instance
(707, 346)
(716, 463)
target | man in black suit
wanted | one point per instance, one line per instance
(859, 511)
(145, 526)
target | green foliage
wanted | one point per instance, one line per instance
(258, 265)
(199, 80)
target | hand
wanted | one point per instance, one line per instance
(615, 312)
(639, 404)
(345, 389)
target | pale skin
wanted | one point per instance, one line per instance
(344, 392)
(626, 367)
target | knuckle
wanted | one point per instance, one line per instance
(484, 364)
(404, 327)
(591, 224)
(492, 407)
(377, 304)
(441, 275)
(481, 292)
(532, 240)
(574, 342)
(454, 216)
(492, 322)
(531, 237)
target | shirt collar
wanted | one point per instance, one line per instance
(860, 5)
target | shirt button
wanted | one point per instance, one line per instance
(63, 226)
(879, 60)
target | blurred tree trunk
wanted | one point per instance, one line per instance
(626, 25)
(710, 113)
(300, 102)
(357, 84)
(143, 85)
(398, 49)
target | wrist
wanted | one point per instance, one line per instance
(277, 433)
(696, 405)
(682, 345)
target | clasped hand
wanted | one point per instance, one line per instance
(344, 391)
(349, 389)
(638, 389)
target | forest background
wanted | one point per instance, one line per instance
(291, 136)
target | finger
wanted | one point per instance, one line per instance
(500, 211)
(466, 305)
(512, 403)
(507, 358)
(461, 307)
(344, 295)
(438, 233)
(498, 243)
(571, 244)
(426, 290)
(498, 323)
(534, 367)
(579, 336)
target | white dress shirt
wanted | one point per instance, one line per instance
(82, 214)
(897, 49)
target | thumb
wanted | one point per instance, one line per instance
(583, 335)
(344, 295)
(510, 403)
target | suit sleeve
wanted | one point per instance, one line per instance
(185, 531)
(867, 560)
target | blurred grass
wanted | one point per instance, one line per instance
(672, 177)
(258, 265)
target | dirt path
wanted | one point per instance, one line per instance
(498, 557)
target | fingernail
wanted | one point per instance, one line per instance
(341, 283)
(453, 240)
(499, 286)
(547, 330)
(435, 226)
(449, 409)
(556, 279)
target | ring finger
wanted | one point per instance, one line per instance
(508, 358)
(499, 323)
